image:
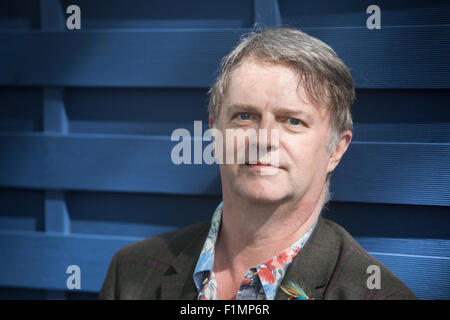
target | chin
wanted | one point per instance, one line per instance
(262, 193)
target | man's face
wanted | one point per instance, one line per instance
(263, 95)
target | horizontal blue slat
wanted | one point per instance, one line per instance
(428, 278)
(382, 220)
(424, 265)
(146, 214)
(20, 14)
(401, 106)
(404, 173)
(430, 248)
(351, 13)
(104, 58)
(122, 214)
(393, 57)
(37, 260)
(402, 132)
(112, 14)
(101, 162)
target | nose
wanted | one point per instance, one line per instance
(268, 133)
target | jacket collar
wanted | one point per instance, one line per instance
(313, 266)
(178, 282)
(311, 269)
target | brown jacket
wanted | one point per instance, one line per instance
(331, 265)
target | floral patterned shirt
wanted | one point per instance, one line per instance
(259, 283)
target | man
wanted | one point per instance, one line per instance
(267, 239)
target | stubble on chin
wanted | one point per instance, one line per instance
(260, 189)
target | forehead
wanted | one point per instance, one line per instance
(268, 85)
(262, 75)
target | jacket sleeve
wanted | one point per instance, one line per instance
(109, 289)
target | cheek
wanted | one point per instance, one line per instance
(307, 155)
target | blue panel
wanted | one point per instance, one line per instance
(409, 132)
(140, 14)
(428, 278)
(146, 214)
(381, 106)
(156, 111)
(409, 259)
(351, 13)
(397, 57)
(52, 15)
(390, 221)
(110, 163)
(55, 118)
(21, 15)
(21, 293)
(56, 215)
(267, 13)
(161, 58)
(430, 248)
(22, 209)
(393, 57)
(21, 109)
(39, 294)
(37, 260)
(407, 173)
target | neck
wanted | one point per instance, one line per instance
(252, 232)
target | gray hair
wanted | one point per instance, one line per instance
(326, 79)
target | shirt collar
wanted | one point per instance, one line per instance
(206, 259)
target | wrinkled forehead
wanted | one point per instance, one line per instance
(260, 83)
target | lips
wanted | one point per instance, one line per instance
(261, 164)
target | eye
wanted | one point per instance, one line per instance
(294, 122)
(244, 116)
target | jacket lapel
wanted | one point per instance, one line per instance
(178, 287)
(311, 269)
(178, 282)
(313, 266)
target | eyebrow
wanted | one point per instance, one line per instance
(284, 111)
(242, 107)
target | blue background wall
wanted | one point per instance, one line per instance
(86, 117)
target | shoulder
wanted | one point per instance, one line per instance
(357, 274)
(136, 270)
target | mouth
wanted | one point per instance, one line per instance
(261, 165)
(258, 164)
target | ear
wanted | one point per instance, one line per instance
(344, 141)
